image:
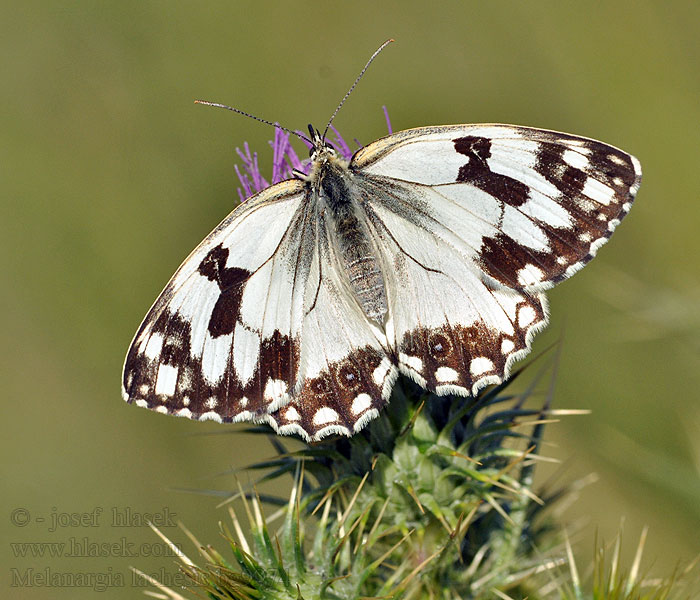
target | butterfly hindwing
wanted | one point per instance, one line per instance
(346, 372)
(451, 331)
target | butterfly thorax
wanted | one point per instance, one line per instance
(339, 200)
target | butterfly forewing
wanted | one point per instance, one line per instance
(227, 323)
(529, 207)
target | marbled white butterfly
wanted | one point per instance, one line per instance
(426, 254)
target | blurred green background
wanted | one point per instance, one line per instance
(110, 176)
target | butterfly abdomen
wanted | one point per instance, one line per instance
(362, 268)
(356, 250)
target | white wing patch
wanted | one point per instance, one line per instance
(430, 160)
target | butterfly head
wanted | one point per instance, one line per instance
(322, 157)
(321, 151)
(319, 143)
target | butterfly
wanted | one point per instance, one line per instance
(426, 254)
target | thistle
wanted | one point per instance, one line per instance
(433, 500)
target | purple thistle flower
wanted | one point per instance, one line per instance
(252, 179)
(388, 122)
(284, 160)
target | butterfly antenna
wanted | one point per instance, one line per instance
(245, 114)
(352, 87)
